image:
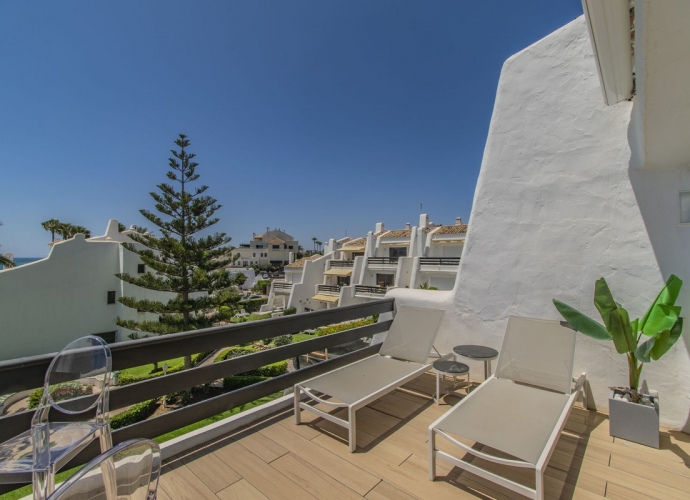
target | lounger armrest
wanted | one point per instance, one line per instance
(485, 456)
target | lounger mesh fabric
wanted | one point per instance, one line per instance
(513, 418)
(537, 352)
(353, 382)
(412, 334)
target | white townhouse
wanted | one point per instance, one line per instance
(73, 292)
(270, 248)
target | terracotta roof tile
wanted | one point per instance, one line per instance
(397, 233)
(454, 229)
(275, 241)
(355, 242)
(302, 261)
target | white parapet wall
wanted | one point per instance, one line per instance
(556, 207)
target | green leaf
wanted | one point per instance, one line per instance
(659, 344)
(581, 322)
(667, 296)
(615, 318)
(661, 317)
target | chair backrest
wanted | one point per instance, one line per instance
(412, 334)
(538, 352)
(83, 367)
(132, 468)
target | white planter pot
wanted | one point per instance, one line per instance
(635, 422)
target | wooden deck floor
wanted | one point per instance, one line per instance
(276, 459)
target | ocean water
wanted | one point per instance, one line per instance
(20, 261)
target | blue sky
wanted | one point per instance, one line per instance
(319, 118)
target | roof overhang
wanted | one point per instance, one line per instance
(608, 22)
(405, 240)
(658, 133)
(339, 272)
(325, 298)
(353, 248)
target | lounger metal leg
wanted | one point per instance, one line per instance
(438, 388)
(352, 429)
(432, 455)
(298, 410)
(539, 485)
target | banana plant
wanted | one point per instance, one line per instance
(641, 340)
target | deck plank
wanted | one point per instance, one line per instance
(274, 458)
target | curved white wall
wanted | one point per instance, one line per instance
(556, 207)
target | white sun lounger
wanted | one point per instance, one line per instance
(521, 409)
(404, 356)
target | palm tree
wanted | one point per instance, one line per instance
(318, 245)
(4, 261)
(80, 230)
(51, 225)
(314, 240)
(64, 230)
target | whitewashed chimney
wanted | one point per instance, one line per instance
(423, 220)
(291, 257)
(458, 221)
(380, 227)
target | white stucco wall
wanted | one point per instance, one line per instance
(48, 303)
(556, 207)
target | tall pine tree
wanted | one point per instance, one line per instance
(181, 262)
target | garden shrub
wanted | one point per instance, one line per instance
(60, 392)
(238, 381)
(198, 358)
(137, 413)
(289, 311)
(282, 340)
(327, 330)
(261, 286)
(253, 305)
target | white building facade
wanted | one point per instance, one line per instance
(270, 248)
(73, 292)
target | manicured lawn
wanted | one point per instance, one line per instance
(251, 317)
(138, 371)
(299, 337)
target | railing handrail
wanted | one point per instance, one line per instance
(28, 373)
(439, 261)
(383, 260)
(370, 289)
(282, 284)
(342, 263)
(126, 354)
(329, 288)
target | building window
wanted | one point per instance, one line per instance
(259, 246)
(111, 297)
(384, 280)
(396, 252)
(276, 247)
(290, 247)
(244, 263)
(254, 254)
(141, 268)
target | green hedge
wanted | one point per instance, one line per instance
(252, 305)
(261, 286)
(238, 381)
(289, 311)
(137, 413)
(60, 392)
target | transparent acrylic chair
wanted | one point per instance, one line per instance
(129, 471)
(80, 369)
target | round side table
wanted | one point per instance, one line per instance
(449, 368)
(478, 353)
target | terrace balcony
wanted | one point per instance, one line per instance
(439, 264)
(370, 291)
(328, 289)
(282, 287)
(261, 454)
(338, 264)
(382, 263)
